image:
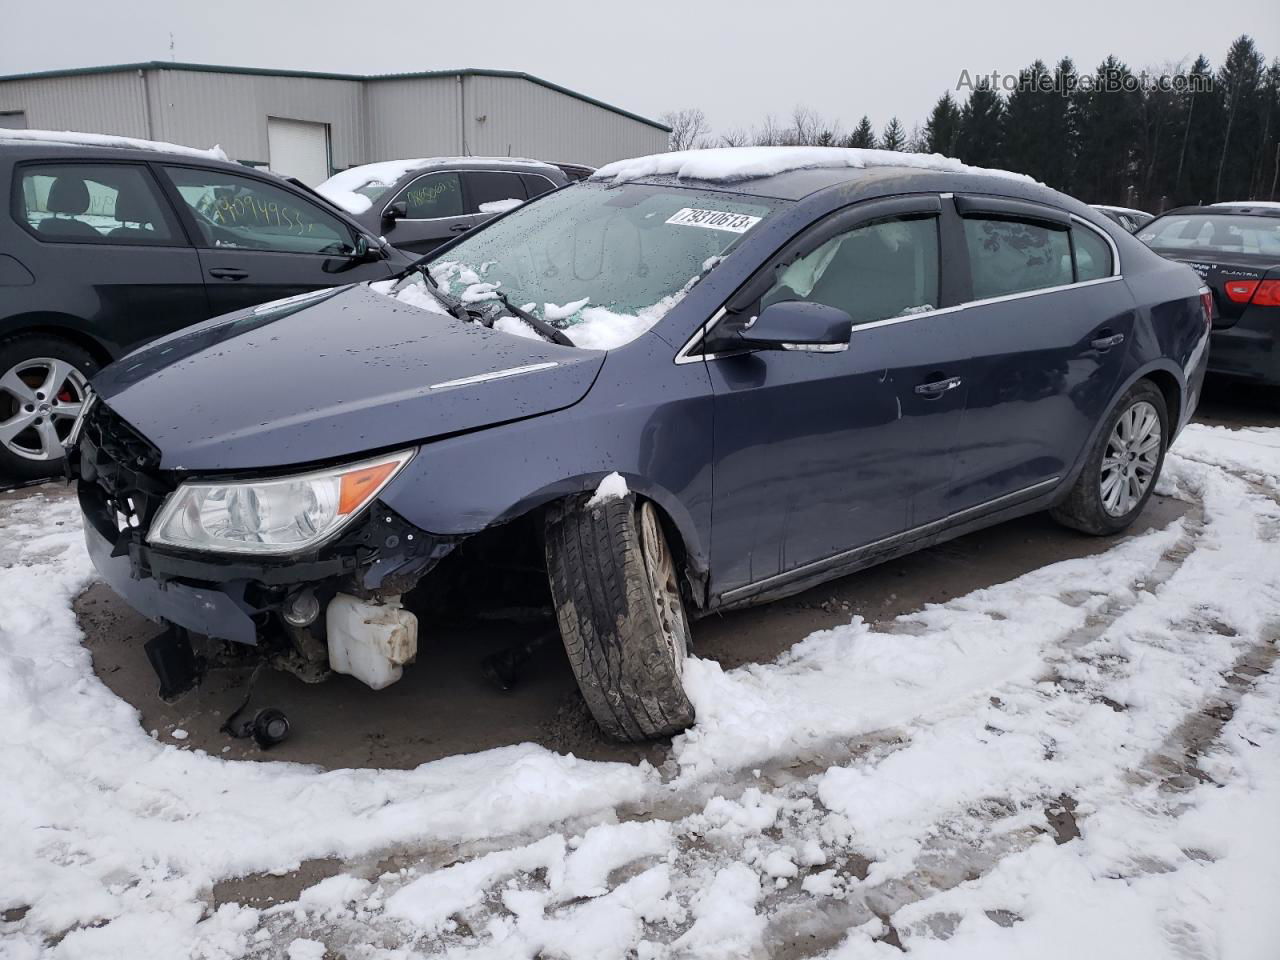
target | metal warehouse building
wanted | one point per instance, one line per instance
(309, 125)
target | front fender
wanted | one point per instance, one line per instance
(646, 417)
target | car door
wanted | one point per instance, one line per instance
(111, 250)
(818, 454)
(429, 210)
(259, 240)
(1046, 330)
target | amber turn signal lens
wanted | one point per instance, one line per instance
(359, 484)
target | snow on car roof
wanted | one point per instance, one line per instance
(1107, 206)
(1264, 204)
(342, 187)
(730, 164)
(74, 138)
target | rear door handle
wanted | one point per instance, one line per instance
(1106, 343)
(938, 387)
(228, 273)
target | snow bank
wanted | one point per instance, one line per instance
(730, 164)
(107, 140)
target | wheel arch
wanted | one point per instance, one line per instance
(62, 326)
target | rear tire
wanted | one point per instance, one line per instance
(1123, 465)
(615, 586)
(36, 413)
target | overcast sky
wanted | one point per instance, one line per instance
(737, 61)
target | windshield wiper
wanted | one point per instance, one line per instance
(453, 305)
(544, 329)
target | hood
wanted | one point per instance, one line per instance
(331, 375)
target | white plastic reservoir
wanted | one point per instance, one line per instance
(370, 641)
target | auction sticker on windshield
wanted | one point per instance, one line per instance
(713, 220)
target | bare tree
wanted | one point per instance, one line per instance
(769, 133)
(737, 137)
(689, 128)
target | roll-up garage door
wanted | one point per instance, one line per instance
(298, 149)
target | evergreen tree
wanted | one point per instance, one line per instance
(1027, 126)
(1200, 129)
(1240, 82)
(894, 138)
(1109, 114)
(943, 127)
(979, 141)
(1060, 123)
(863, 135)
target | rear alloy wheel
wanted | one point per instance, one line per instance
(43, 387)
(1122, 467)
(616, 589)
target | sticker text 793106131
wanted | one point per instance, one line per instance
(713, 220)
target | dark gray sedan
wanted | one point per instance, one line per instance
(419, 204)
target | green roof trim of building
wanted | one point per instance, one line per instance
(318, 75)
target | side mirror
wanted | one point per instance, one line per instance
(396, 211)
(798, 325)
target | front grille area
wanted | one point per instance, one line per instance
(120, 468)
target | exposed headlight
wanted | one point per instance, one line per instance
(278, 516)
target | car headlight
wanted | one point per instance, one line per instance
(277, 516)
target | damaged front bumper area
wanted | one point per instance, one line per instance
(277, 603)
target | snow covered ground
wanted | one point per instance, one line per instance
(1084, 761)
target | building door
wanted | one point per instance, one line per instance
(298, 149)
(13, 120)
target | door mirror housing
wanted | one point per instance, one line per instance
(797, 325)
(396, 211)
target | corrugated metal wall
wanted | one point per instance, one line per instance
(528, 120)
(97, 103)
(368, 119)
(417, 117)
(201, 109)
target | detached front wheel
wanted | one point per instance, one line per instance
(616, 589)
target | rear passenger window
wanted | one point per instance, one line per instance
(535, 185)
(1093, 254)
(881, 270)
(1008, 256)
(495, 190)
(81, 202)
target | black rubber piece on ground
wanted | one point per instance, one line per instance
(609, 620)
(1082, 509)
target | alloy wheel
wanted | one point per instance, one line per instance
(1131, 458)
(40, 399)
(660, 569)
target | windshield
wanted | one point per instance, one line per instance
(604, 264)
(1213, 233)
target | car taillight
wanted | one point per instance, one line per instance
(1267, 294)
(1240, 291)
(1206, 305)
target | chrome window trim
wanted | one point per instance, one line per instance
(837, 559)
(685, 354)
(456, 216)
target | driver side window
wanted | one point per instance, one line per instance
(244, 213)
(876, 271)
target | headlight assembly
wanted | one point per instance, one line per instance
(272, 517)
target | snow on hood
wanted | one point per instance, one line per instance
(342, 187)
(729, 164)
(105, 140)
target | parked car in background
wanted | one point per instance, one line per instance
(1127, 217)
(735, 374)
(576, 171)
(417, 205)
(1235, 247)
(109, 243)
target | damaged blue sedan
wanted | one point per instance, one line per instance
(690, 383)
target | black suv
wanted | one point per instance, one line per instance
(104, 248)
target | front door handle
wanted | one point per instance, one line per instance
(1106, 343)
(460, 228)
(228, 273)
(938, 387)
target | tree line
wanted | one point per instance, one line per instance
(1112, 136)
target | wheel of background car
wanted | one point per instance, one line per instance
(43, 385)
(1123, 465)
(616, 589)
